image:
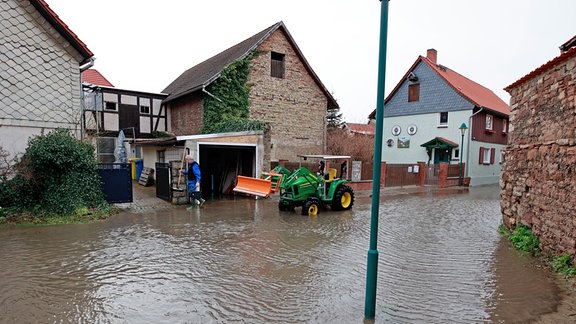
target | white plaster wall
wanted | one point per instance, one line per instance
(128, 100)
(427, 125)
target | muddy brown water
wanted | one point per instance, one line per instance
(441, 260)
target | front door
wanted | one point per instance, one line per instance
(442, 155)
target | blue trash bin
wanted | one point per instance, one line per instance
(139, 167)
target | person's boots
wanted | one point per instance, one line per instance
(202, 201)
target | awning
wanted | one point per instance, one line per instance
(440, 143)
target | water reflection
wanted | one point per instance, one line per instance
(241, 260)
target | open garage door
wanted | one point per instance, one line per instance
(222, 163)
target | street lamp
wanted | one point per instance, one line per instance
(462, 129)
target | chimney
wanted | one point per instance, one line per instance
(431, 54)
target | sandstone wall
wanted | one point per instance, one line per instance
(538, 182)
(294, 106)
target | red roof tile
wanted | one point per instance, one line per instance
(474, 92)
(62, 28)
(94, 77)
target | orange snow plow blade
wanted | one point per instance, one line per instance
(275, 178)
(253, 186)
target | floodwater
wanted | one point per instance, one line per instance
(441, 260)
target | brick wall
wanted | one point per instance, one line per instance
(186, 115)
(539, 170)
(294, 105)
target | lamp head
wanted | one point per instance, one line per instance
(463, 128)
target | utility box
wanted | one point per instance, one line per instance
(356, 170)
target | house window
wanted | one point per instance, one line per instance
(443, 122)
(489, 122)
(455, 154)
(414, 92)
(110, 105)
(161, 155)
(105, 147)
(144, 109)
(487, 155)
(504, 126)
(277, 65)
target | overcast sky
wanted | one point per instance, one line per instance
(144, 45)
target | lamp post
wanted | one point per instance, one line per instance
(462, 129)
(372, 266)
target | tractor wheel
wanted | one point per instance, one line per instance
(311, 207)
(285, 206)
(343, 198)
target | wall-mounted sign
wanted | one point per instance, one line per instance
(412, 129)
(403, 142)
(396, 130)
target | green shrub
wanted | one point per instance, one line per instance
(57, 175)
(522, 238)
(564, 264)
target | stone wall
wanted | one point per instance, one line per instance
(539, 169)
(294, 106)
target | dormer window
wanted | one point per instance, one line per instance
(277, 65)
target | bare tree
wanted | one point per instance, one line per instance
(342, 142)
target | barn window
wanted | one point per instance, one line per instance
(277, 65)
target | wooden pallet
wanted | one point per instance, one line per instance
(146, 177)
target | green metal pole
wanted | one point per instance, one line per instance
(372, 267)
(461, 151)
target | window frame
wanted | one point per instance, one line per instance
(440, 123)
(107, 103)
(504, 126)
(414, 92)
(145, 111)
(486, 155)
(277, 65)
(489, 121)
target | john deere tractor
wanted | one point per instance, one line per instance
(315, 191)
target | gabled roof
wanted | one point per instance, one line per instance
(201, 75)
(94, 77)
(475, 93)
(440, 143)
(569, 51)
(62, 28)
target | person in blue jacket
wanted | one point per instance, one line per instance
(194, 177)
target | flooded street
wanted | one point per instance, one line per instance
(241, 260)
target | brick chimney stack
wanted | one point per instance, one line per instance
(432, 55)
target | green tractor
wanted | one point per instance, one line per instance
(315, 191)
